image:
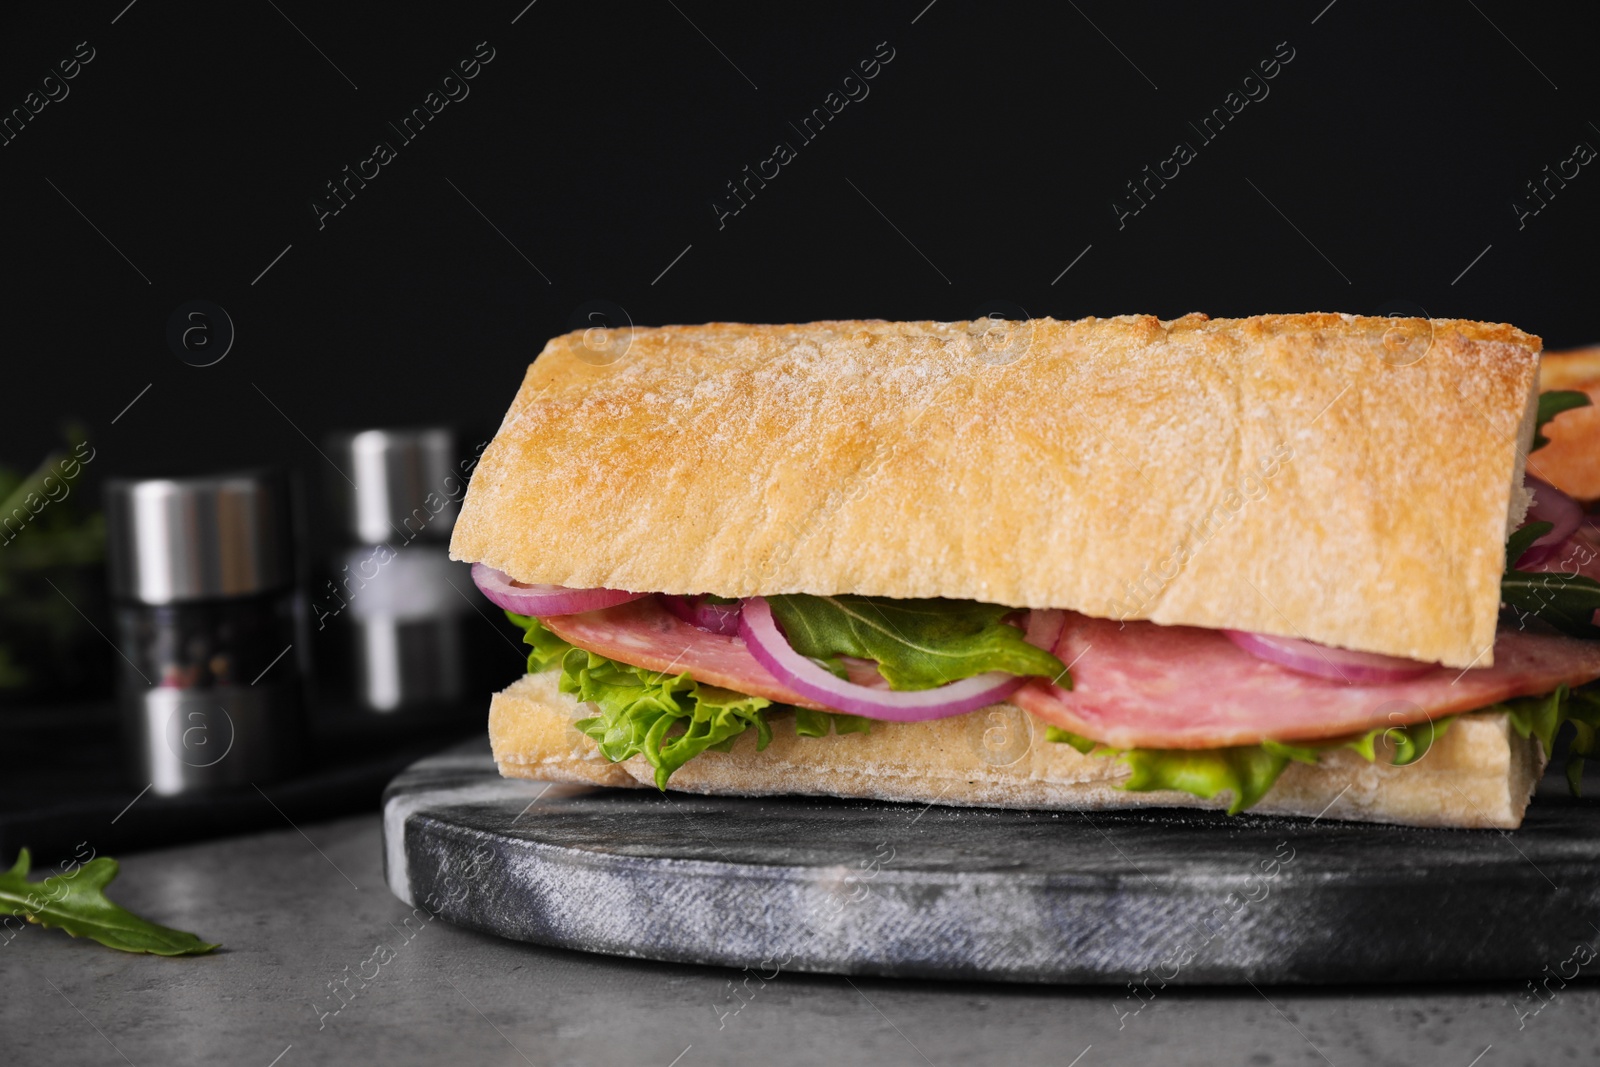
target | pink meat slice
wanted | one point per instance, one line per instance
(1137, 685)
(643, 633)
(1140, 685)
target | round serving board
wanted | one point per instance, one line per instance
(1157, 896)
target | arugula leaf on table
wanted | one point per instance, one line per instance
(77, 903)
(1552, 404)
(918, 644)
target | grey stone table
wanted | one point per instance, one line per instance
(300, 909)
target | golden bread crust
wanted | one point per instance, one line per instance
(1479, 774)
(1343, 479)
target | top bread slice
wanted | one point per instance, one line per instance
(1346, 480)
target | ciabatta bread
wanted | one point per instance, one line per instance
(1478, 774)
(1346, 480)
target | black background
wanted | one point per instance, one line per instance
(995, 141)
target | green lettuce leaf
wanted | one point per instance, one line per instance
(77, 903)
(1543, 717)
(918, 644)
(809, 723)
(548, 649)
(1245, 772)
(1552, 404)
(1410, 743)
(670, 720)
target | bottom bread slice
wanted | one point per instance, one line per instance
(1480, 773)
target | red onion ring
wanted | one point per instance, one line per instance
(698, 611)
(542, 600)
(768, 645)
(1323, 661)
(1557, 508)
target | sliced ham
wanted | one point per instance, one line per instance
(1136, 685)
(645, 634)
(1140, 685)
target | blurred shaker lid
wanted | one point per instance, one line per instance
(405, 485)
(223, 535)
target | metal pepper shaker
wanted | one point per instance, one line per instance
(206, 608)
(394, 606)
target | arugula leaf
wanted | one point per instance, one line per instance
(1247, 772)
(77, 903)
(1522, 540)
(1552, 404)
(918, 644)
(1566, 601)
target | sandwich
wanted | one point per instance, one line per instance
(1290, 563)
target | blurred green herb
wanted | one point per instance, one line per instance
(48, 534)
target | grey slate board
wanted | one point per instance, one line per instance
(1153, 896)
